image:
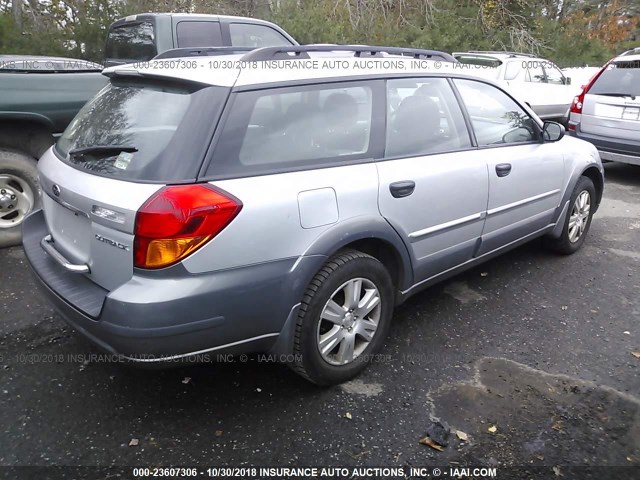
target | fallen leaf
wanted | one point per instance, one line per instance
(636, 354)
(462, 436)
(218, 433)
(186, 380)
(348, 415)
(492, 429)
(134, 442)
(556, 470)
(432, 444)
(557, 426)
(540, 457)
(356, 456)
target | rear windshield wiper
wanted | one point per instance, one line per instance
(102, 148)
(633, 97)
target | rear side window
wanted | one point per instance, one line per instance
(198, 34)
(620, 78)
(135, 130)
(132, 41)
(294, 128)
(423, 117)
(535, 73)
(252, 35)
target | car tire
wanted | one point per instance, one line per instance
(578, 220)
(327, 298)
(19, 194)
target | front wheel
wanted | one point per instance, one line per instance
(578, 220)
(344, 318)
(19, 194)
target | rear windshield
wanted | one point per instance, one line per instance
(142, 131)
(620, 78)
(132, 41)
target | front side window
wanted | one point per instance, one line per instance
(252, 35)
(496, 117)
(295, 128)
(133, 41)
(198, 34)
(423, 117)
(554, 75)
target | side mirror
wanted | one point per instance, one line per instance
(552, 132)
(567, 80)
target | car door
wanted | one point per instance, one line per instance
(525, 175)
(433, 185)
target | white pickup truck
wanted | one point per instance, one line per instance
(535, 81)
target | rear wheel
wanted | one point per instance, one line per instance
(578, 220)
(19, 194)
(344, 318)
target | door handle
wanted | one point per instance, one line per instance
(503, 169)
(402, 189)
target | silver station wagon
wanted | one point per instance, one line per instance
(190, 211)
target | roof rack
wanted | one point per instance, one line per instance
(201, 52)
(295, 52)
(633, 51)
(502, 52)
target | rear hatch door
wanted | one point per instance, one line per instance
(134, 137)
(611, 108)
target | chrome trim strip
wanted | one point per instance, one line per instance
(477, 260)
(199, 352)
(47, 246)
(443, 226)
(68, 205)
(519, 203)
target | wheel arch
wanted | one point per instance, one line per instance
(373, 236)
(29, 134)
(597, 178)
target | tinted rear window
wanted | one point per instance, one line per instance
(133, 41)
(199, 34)
(158, 131)
(295, 128)
(620, 78)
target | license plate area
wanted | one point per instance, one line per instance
(69, 228)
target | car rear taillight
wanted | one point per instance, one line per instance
(178, 220)
(576, 105)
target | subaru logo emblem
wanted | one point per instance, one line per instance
(56, 190)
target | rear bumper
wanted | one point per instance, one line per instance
(171, 315)
(615, 150)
